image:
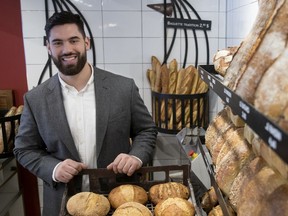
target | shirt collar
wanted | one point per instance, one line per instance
(68, 87)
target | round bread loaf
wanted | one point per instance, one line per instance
(160, 192)
(132, 208)
(256, 190)
(244, 176)
(216, 127)
(231, 164)
(127, 193)
(88, 204)
(276, 203)
(174, 207)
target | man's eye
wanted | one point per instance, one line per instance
(58, 43)
(74, 41)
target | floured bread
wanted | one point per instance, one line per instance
(216, 127)
(245, 175)
(127, 193)
(88, 204)
(132, 208)
(174, 207)
(231, 164)
(250, 44)
(276, 203)
(256, 190)
(164, 191)
(222, 59)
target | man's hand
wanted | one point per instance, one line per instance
(125, 163)
(67, 170)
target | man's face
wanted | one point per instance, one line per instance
(67, 48)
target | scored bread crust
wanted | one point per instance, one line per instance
(256, 190)
(174, 207)
(266, 54)
(251, 42)
(127, 193)
(132, 208)
(88, 204)
(160, 192)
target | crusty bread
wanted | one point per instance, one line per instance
(88, 204)
(219, 142)
(223, 58)
(271, 98)
(266, 54)
(173, 72)
(237, 121)
(209, 199)
(217, 211)
(132, 208)
(160, 192)
(272, 158)
(174, 207)
(251, 42)
(245, 175)
(127, 193)
(276, 203)
(233, 141)
(259, 187)
(151, 76)
(249, 134)
(216, 127)
(231, 164)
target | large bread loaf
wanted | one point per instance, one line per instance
(127, 193)
(88, 204)
(174, 207)
(132, 208)
(251, 42)
(256, 190)
(160, 192)
(271, 47)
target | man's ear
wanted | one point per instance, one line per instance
(87, 43)
(48, 47)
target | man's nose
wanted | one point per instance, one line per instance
(67, 48)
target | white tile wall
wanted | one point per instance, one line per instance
(127, 33)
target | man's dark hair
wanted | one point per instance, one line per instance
(62, 18)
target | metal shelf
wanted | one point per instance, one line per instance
(270, 132)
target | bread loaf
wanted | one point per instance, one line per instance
(266, 54)
(216, 127)
(132, 208)
(245, 175)
(223, 58)
(173, 72)
(235, 139)
(250, 44)
(151, 76)
(127, 193)
(276, 203)
(272, 101)
(231, 164)
(209, 200)
(164, 88)
(219, 142)
(164, 191)
(217, 211)
(174, 207)
(237, 121)
(255, 191)
(88, 204)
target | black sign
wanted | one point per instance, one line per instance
(188, 23)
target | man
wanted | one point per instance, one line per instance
(82, 117)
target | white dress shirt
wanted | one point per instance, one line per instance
(80, 108)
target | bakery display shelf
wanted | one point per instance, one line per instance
(270, 132)
(102, 181)
(189, 139)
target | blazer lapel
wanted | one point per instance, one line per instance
(57, 111)
(102, 107)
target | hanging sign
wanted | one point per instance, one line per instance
(188, 23)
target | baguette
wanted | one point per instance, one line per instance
(158, 84)
(151, 76)
(173, 72)
(164, 88)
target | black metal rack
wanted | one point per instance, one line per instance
(267, 130)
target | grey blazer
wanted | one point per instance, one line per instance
(44, 138)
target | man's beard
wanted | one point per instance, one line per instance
(73, 69)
